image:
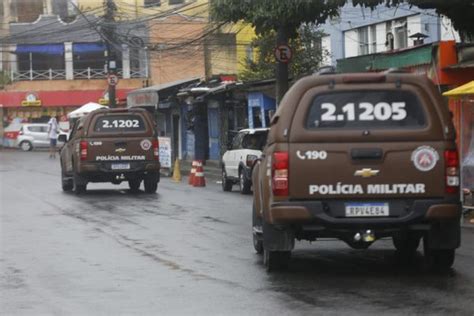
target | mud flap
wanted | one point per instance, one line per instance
(277, 238)
(444, 235)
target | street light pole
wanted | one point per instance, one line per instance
(109, 32)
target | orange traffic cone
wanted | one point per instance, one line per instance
(192, 173)
(199, 180)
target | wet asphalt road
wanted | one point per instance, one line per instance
(188, 251)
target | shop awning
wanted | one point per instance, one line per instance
(150, 96)
(14, 99)
(465, 89)
(420, 55)
(86, 109)
(88, 48)
(50, 49)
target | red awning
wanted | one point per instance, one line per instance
(57, 98)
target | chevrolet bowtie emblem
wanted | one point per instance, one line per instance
(120, 150)
(366, 173)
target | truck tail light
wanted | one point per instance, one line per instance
(451, 161)
(280, 164)
(83, 147)
(156, 152)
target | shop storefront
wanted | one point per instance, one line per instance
(38, 107)
(261, 109)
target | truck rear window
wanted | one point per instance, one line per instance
(119, 123)
(366, 109)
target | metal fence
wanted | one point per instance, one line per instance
(60, 74)
(50, 74)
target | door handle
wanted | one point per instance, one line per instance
(366, 153)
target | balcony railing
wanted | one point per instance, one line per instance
(78, 74)
(50, 74)
(90, 73)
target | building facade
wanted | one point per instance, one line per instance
(53, 64)
(358, 31)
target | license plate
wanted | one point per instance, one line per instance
(367, 209)
(120, 166)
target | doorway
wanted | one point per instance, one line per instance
(176, 153)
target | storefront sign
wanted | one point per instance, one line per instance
(31, 99)
(165, 151)
(105, 99)
(143, 98)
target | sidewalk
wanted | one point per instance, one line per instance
(468, 220)
(212, 169)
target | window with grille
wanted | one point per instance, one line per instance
(175, 2)
(152, 3)
(363, 38)
(373, 39)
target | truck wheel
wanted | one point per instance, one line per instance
(257, 231)
(276, 260)
(66, 183)
(26, 145)
(406, 244)
(150, 185)
(134, 185)
(440, 260)
(226, 183)
(244, 183)
(79, 186)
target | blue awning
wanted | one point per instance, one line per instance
(88, 48)
(51, 49)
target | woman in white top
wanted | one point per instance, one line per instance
(53, 130)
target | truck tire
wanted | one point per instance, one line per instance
(66, 183)
(257, 231)
(80, 188)
(134, 185)
(406, 244)
(438, 260)
(244, 183)
(150, 185)
(79, 185)
(226, 183)
(276, 260)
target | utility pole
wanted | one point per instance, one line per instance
(109, 34)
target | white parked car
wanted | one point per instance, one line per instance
(34, 135)
(238, 161)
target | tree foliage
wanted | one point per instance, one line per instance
(268, 15)
(307, 55)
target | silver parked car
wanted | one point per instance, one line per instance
(34, 135)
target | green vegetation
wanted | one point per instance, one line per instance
(307, 55)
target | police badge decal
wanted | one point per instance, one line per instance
(425, 158)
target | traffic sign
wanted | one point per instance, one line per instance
(283, 53)
(112, 80)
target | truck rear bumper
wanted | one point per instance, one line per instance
(332, 214)
(439, 220)
(102, 172)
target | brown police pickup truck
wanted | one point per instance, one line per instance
(111, 145)
(359, 157)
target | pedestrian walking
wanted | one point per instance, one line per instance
(53, 131)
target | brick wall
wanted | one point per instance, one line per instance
(177, 51)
